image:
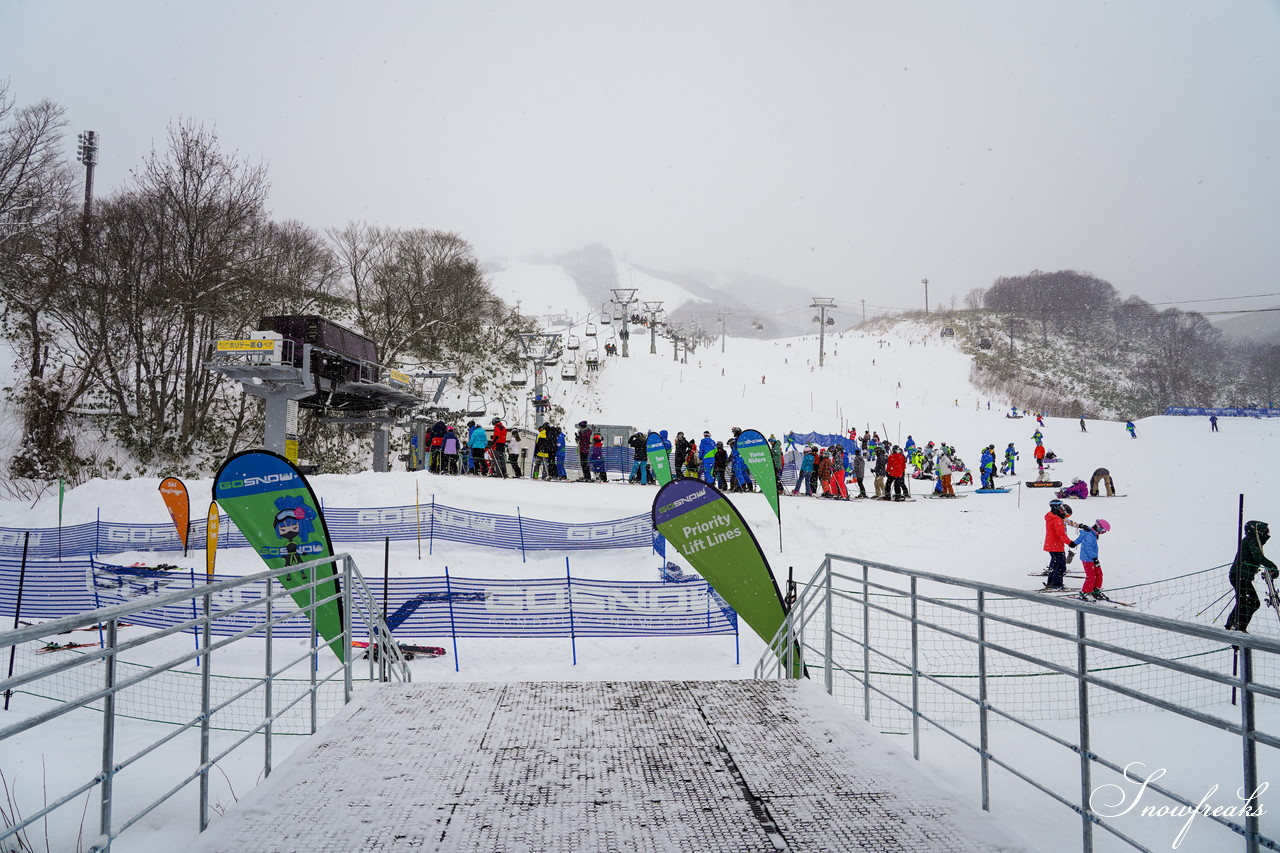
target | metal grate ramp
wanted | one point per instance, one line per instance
(596, 766)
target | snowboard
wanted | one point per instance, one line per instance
(1044, 484)
(992, 491)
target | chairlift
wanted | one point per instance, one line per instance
(591, 330)
(948, 332)
(572, 343)
(569, 373)
(606, 317)
(519, 380)
(475, 406)
(617, 315)
(985, 343)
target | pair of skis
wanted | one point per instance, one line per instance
(407, 651)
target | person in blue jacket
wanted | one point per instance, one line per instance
(805, 477)
(477, 440)
(707, 453)
(906, 447)
(561, 443)
(1133, 430)
(1010, 457)
(988, 467)
(1088, 542)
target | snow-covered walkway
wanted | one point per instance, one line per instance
(598, 766)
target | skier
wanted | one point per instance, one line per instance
(500, 446)
(1133, 431)
(987, 465)
(896, 468)
(597, 458)
(805, 476)
(945, 463)
(719, 462)
(1082, 429)
(560, 443)
(1039, 454)
(1010, 458)
(1038, 437)
(878, 471)
(1088, 542)
(775, 450)
(682, 451)
(639, 465)
(477, 441)
(859, 472)
(1249, 559)
(449, 458)
(1213, 423)
(707, 452)
(1056, 541)
(583, 437)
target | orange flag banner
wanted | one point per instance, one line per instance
(174, 493)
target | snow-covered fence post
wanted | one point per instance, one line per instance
(448, 596)
(520, 529)
(568, 594)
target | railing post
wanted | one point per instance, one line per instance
(108, 735)
(983, 732)
(205, 702)
(270, 681)
(915, 673)
(866, 642)
(349, 634)
(1247, 723)
(1086, 783)
(828, 637)
(315, 654)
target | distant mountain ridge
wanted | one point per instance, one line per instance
(1262, 327)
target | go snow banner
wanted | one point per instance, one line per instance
(275, 509)
(211, 540)
(659, 458)
(708, 531)
(756, 452)
(174, 493)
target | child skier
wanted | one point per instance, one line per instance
(1088, 542)
(1056, 541)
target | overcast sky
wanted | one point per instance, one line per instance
(848, 148)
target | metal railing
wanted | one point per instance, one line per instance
(894, 641)
(225, 600)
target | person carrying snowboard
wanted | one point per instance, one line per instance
(1249, 559)
(1056, 541)
(1087, 540)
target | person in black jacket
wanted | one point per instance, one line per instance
(681, 453)
(1249, 559)
(640, 465)
(583, 437)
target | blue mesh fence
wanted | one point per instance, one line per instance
(417, 608)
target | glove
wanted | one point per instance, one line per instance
(1275, 573)
(1097, 563)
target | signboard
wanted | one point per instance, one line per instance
(246, 346)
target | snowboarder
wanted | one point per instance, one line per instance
(1101, 476)
(1056, 541)
(987, 467)
(1038, 438)
(1082, 428)
(1133, 431)
(1077, 490)
(1088, 542)
(1249, 559)
(1213, 423)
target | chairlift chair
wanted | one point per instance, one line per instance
(475, 406)
(606, 317)
(591, 330)
(572, 343)
(569, 372)
(519, 380)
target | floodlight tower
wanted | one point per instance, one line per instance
(87, 153)
(538, 348)
(625, 297)
(652, 309)
(822, 304)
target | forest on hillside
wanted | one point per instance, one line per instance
(1066, 342)
(113, 309)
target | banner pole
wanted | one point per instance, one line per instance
(386, 573)
(417, 512)
(520, 528)
(453, 628)
(568, 586)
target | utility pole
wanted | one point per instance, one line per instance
(864, 312)
(822, 304)
(926, 294)
(1011, 334)
(625, 297)
(652, 309)
(720, 315)
(87, 153)
(538, 348)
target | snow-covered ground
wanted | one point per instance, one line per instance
(1181, 483)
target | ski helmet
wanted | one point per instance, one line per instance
(1102, 526)
(1055, 504)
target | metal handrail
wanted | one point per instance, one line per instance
(361, 609)
(812, 612)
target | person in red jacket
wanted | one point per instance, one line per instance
(1056, 541)
(895, 467)
(500, 446)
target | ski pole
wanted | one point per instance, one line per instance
(1215, 601)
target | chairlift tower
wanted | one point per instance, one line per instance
(822, 304)
(625, 297)
(720, 315)
(539, 348)
(653, 309)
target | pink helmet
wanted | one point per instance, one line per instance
(1103, 525)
